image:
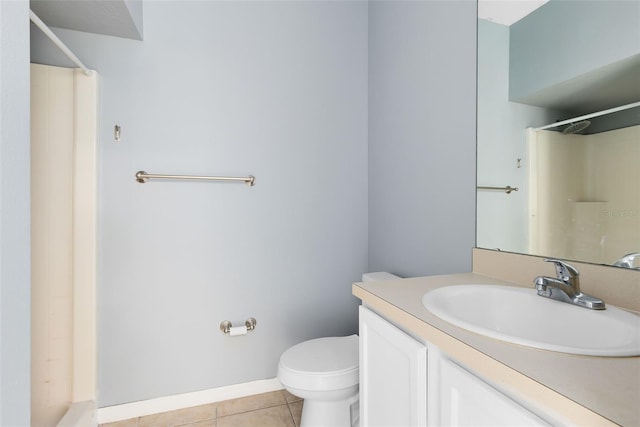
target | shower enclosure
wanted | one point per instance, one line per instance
(63, 241)
(584, 175)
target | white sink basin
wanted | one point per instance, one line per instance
(520, 316)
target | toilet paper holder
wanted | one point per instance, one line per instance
(226, 325)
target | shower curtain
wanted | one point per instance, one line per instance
(584, 204)
(63, 218)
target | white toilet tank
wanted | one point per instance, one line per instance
(379, 275)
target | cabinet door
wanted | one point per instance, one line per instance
(466, 400)
(393, 375)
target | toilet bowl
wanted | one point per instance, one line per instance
(325, 373)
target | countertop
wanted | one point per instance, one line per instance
(578, 390)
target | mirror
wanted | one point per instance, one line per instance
(560, 66)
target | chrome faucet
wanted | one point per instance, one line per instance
(631, 260)
(566, 287)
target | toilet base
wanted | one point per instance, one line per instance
(334, 413)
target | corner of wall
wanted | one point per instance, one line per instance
(135, 8)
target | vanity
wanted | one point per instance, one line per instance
(417, 369)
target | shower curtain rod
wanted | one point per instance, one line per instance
(590, 116)
(47, 31)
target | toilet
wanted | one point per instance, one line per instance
(325, 373)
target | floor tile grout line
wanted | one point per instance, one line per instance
(217, 416)
(252, 410)
(293, 420)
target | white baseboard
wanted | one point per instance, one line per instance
(126, 411)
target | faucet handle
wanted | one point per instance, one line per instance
(628, 260)
(564, 270)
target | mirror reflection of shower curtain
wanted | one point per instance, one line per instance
(583, 204)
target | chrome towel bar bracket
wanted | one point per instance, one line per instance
(142, 177)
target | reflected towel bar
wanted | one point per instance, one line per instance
(508, 189)
(142, 177)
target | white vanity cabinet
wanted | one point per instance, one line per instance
(466, 400)
(393, 375)
(396, 371)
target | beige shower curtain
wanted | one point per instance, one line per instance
(584, 201)
(63, 236)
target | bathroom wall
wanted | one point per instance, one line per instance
(280, 90)
(422, 107)
(502, 219)
(15, 340)
(273, 89)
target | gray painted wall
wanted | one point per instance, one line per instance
(280, 90)
(609, 32)
(273, 89)
(15, 341)
(422, 109)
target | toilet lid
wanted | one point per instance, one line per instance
(329, 355)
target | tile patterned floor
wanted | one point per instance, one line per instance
(275, 409)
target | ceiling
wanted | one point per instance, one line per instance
(120, 18)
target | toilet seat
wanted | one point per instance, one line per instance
(329, 363)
